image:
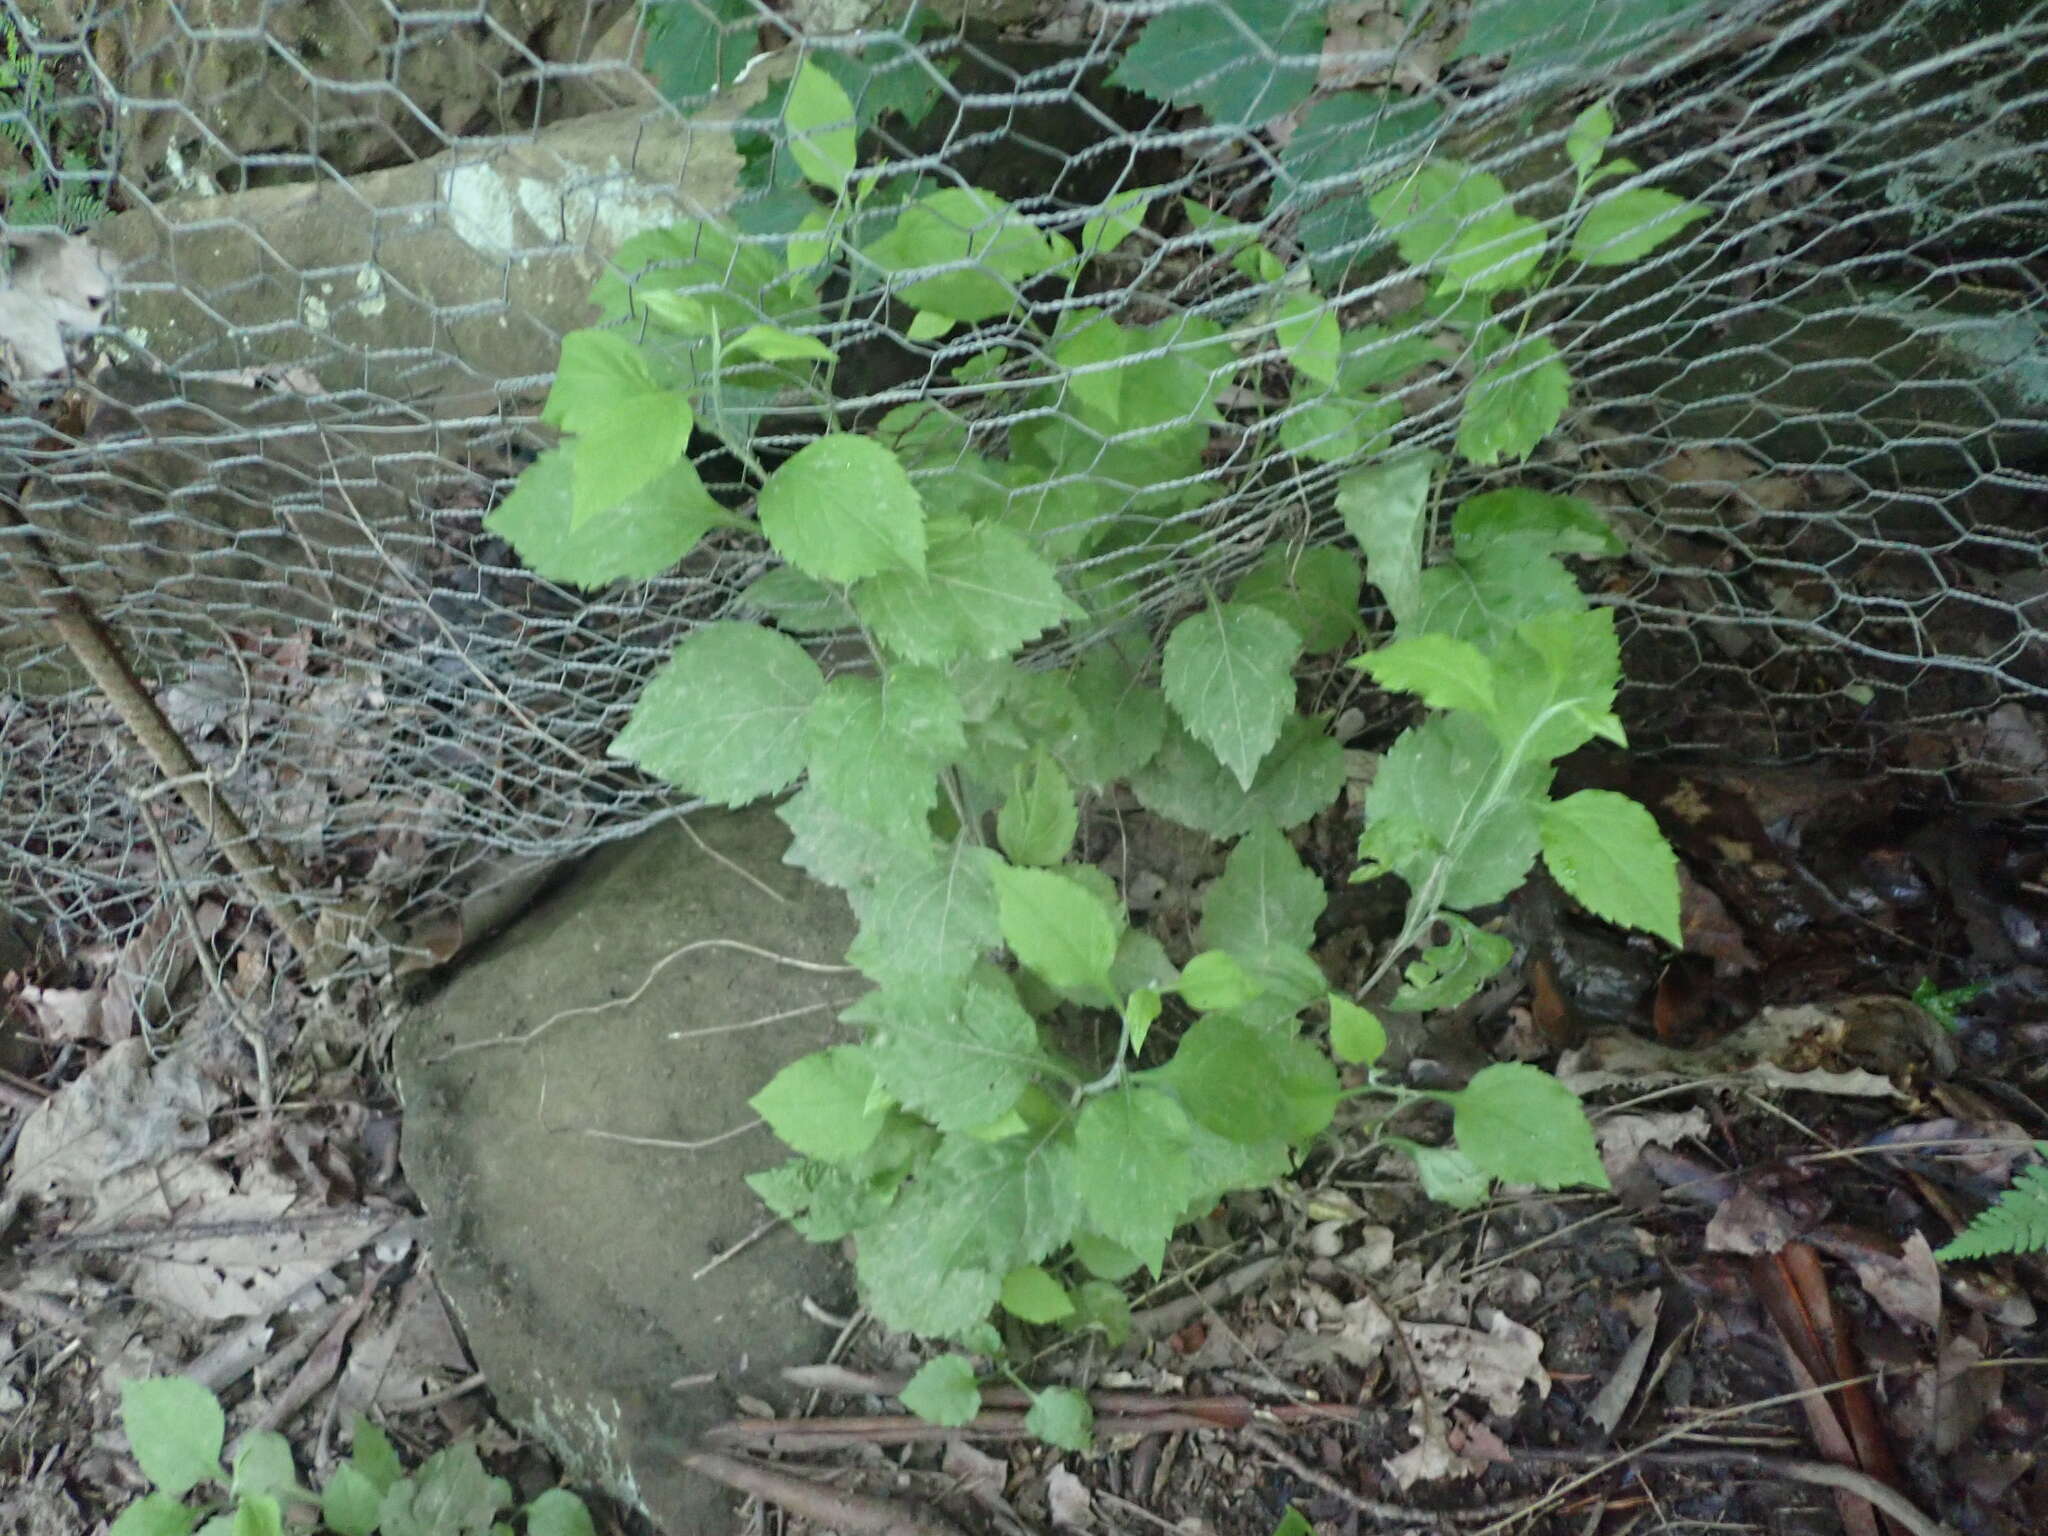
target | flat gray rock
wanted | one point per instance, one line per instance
(573, 1233)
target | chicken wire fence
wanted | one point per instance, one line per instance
(352, 233)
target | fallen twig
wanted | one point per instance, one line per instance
(857, 1514)
(1820, 1474)
(274, 884)
(1169, 1316)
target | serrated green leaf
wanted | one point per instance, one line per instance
(1062, 1417)
(1214, 980)
(943, 1391)
(1293, 1523)
(176, 1429)
(1103, 1258)
(723, 718)
(263, 1464)
(1056, 926)
(619, 456)
(1500, 249)
(1584, 38)
(1120, 724)
(1385, 509)
(773, 344)
(598, 372)
(929, 918)
(826, 1201)
(1626, 225)
(1439, 796)
(1030, 1293)
(819, 121)
(1356, 1034)
(1241, 61)
(1607, 853)
(1449, 1176)
(1187, 784)
(348, 1504)
(1345, 140)
(1536, 523)
(1516, 400)
(1483, 599)
(985, 592)
(1447, 974)
(698, 259)
(1140, 1013)
(1098, 1304)
(1436, 205)
(158, 1514)
(1556, 677)
(256, 1514)
(800, 605)
(372, 1454)
(450, 1495)
(1518, 1123)
(1314, 590)
(1306, 329)
(822, 1105)
(1248, 1085)
(695, 47)
(875, 745)
(1218, 1166)
(1587, 141)
(842, 508)
(933, 1264)
(988, 249)
(1130, 1160)
(558, 1512)
(635, 540)
(1228, 674)
(1264, 899)
(959, 1056)
(1121, 217)
(834, 848)
(1445, 673)
(1141, 962)
(1037, 823)
(1337, 428)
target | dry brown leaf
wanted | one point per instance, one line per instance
(977, 1472)
(110, 1132)
(1623, 1137)
(1907, 1284)
(1067, 1498)
(1493, 1365)
(1750, 1222)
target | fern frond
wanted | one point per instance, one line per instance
(2017, 1223)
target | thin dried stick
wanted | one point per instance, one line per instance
(249, 1029)
(1172, 1315)
(1378, 1509)
(856, 1514)
(1821, 1474)
(587, 1010)
(262, 869)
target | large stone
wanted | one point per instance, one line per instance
(244, 92)
(450, 282)
(575, 1234)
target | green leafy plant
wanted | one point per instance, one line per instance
(1042, 1093)
(30, 119)
(1945, 1005)
(2016, 1223)
(178, 1433)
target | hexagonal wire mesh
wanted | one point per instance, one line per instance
(353, 233)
